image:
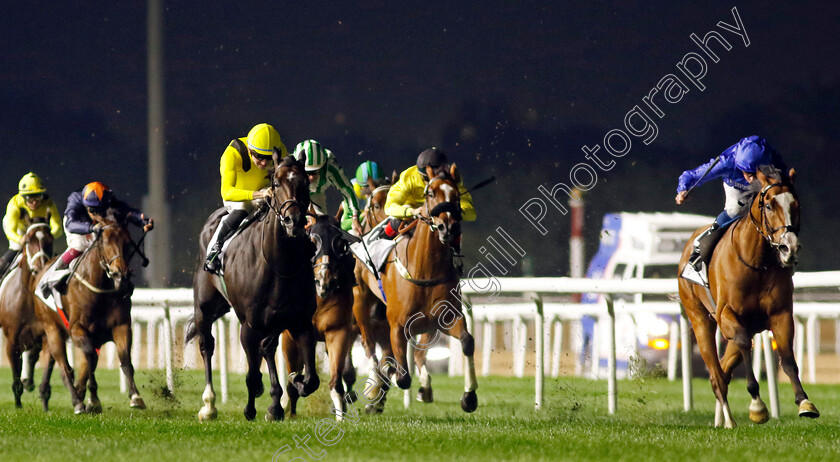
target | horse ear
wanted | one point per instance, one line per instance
(761, 177)
(792, 176)
(429, 172)
(394, 177)
(371, 183)
(454, 173)
(276, 156)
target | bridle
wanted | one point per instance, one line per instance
(762, 224)
(280, 211)
(40, 254)
(448, 206)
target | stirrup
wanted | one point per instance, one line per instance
(211, 263)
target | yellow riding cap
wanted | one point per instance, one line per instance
(31, 184)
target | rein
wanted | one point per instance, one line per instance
(97, 242)
(280, 213)
(30, 259)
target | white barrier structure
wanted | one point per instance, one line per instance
(162, 311)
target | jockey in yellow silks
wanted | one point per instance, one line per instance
(405, 198)
(244, 179)
(32, 201)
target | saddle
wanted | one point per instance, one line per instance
(254, 216)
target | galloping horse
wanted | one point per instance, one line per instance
(372, 310)
(23, 330)
(97, 310)
(751, 286)
(429, 300)
(268, 282)
(333, 319)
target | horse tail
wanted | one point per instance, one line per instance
(192, 330)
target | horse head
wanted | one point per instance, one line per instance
(443, 204)
(37, 243)
(332, 261)
(775, 213)
(290, 194)
(114, 243)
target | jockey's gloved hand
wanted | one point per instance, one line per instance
(148, 223)
(96, 228)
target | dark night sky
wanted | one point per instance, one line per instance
(509, 88)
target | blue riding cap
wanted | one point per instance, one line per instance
(750, 153)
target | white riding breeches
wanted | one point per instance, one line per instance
(731, 206)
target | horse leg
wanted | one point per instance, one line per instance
(424, 394)
(305, 340)
(294, 366)
(782, 327)
(704, 330)
(469, 402)
(269, 349)
(57, 342)
(122, 338)
(349, 375)
(29, 382)
(250, 341)
(337, 349)
(82, 341)
(14, 355)
(45, 389)
(362, 303)
(741, 342)
(400, 346)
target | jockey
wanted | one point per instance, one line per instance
(736, 166)
(85, 210)
(241, 184)
(405, 198)
(367, 170)
(322, 168)
(31, 201)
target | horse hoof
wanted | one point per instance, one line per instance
(79, 409)
(424, 395)
(469, 402)
(250, 414)
(18, 405)
(28, 385)
(207, 414)
(269, 417)
(404, 382)
(351, 396)
(807, 409)
(137, 402)
(760, 417)
(93, 408)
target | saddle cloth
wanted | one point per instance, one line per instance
(373, 251)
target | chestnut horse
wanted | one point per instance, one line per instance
(372, 310)
(23, 330)
(751, 286)
(426, 302)
(268, 281)
(333, 319)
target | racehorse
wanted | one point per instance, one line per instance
(97, 310)
(751, 286)
(23, 330)
(268, 280)
(333, 319)
(428, 300)
(371, 309)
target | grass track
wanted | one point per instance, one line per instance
(573, 425)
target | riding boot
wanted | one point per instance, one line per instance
(704, 244)
(228, 227)
(61, 265)
(7, 260)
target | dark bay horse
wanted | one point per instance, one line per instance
(268, 280)
(430, 300)
(333, 319)
(97, 310)
(22, 328)
(750, 281)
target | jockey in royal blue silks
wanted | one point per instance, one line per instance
(736, 166)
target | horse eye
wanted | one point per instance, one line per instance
(767, 207)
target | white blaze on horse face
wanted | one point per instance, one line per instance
(789, 240)
(785, 200)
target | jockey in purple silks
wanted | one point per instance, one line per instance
(736, 166)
